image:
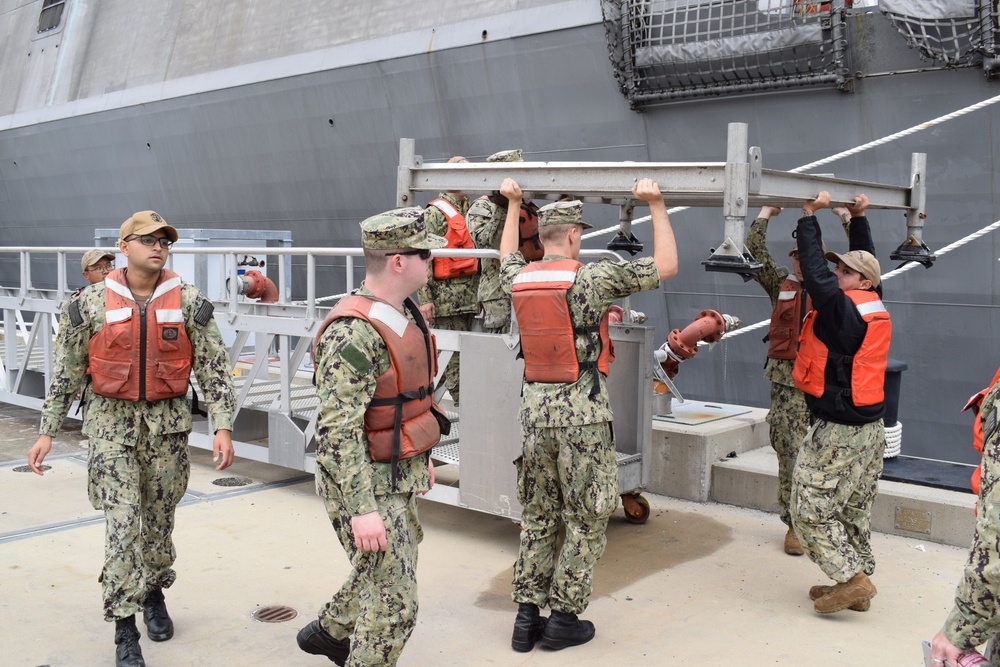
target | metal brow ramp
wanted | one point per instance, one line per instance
(736, 185)
(277, 406)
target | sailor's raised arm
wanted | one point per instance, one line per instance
(664, 245)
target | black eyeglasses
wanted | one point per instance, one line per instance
(423, 253)
(101, 268)
(150, 240)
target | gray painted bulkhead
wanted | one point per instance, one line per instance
(265, 155)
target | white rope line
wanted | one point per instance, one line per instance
(948, 248)
(899, 135)
(833, 158)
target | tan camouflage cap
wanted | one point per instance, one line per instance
(146, 222)
(93, 257)
(506, 156)
(397, 229)
(861, 261)
(562, 213)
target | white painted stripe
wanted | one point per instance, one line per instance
(545, 277)
(388, 315)
(169, 315)
(117, 315)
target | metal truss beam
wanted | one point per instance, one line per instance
(734, 185)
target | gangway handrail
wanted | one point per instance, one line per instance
(291, 325)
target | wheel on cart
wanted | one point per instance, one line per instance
(636, 508)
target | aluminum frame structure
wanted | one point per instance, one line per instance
(736, 185)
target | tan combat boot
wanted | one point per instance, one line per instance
(792, 545)
(843, 596)
(816, 592)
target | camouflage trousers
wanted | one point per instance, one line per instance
(788, 420)
(463, 322)
(496, 316)
(377, 606)
(138, 487)
(833, 489)
(567, 479)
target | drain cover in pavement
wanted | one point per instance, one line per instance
(232, 481)
(274, 614)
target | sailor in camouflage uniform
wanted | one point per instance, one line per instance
(449, 303)
(788, 418)
(567, 473)
(486, 218)
(975, 618)
(94, 265)
(840, 366)
(372, 503)
(138, 464)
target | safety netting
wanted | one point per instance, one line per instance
(673, 49)
(952, 32)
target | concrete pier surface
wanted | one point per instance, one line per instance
(699, 583)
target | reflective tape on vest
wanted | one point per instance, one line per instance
(870, 307)
(165, 287)
(117, 288)
(117, 315)
(543, 276)
(169, 315)
(389, 316)
(445, 207)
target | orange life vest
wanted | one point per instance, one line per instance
(141, 354)
(548, 337)
(867, 365)
(976, 402)
(457, 236)
(399, 421)
(786, 320)
(527, 231)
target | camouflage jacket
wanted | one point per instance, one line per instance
(119, 420)
(770, 277)
(975, 617)
(456, 296)
(485, 221)
(597, 286)
(349, 357)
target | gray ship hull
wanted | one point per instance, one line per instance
(316, 152)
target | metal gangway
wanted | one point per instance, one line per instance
(276, 402)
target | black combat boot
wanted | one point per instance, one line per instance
(528, 627)
(128, 653)
(317, 641)
(564, 630)
(159, 627)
